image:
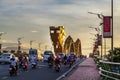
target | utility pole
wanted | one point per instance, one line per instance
(19, 44)
(31, 41)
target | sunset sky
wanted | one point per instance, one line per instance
(31, 19)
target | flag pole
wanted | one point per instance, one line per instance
(112, 30)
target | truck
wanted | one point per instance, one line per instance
(34, 52)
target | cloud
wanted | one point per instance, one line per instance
(19, 17)
(34, 31)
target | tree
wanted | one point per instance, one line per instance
(5, 51)
(116, 55)
(12, 51)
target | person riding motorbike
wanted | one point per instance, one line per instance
(33, 61)
(57, 64)
(20, 59)
(25, 63)
(50, 60)
(71, 60)
(65, 60)
(13, 66)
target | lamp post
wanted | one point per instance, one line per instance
(112, 29)
(95, 45)
(99, 38)
(31, 41)
(19, 43)
(100, 16)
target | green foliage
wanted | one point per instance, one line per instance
(5, 51)
(116, 55)
(12, 51)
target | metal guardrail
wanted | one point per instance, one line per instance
(109, 70)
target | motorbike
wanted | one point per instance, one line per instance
(12, 70)
(24, 66)
(50, 64)
(65, 62)
(20, 64)
(57, 67)
(71, 62)
(33, 64)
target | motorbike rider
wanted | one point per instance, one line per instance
(65, 59)
(50, 59)
(13, 64)
(57, 63)
(71, 60)
(25, 62)
(20, 61)
(57, 60)
(33, 59)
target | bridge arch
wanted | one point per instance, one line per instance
(69, 45)
(78, 47)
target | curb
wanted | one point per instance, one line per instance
(67, 72)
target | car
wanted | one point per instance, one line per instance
(6, 57)
(47, 54)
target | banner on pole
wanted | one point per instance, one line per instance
(107, 27)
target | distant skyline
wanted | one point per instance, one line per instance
(31, 19)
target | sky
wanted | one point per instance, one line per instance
(31, 19)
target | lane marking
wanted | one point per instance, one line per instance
(5, 77)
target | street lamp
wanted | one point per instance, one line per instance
(19, 43)
(100, 16)
(31, 41)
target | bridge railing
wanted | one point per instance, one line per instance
(108, 70)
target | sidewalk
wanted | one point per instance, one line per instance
(86, 71)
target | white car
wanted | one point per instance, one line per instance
(47, 54)
(6, 57)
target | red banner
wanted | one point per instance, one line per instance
(107, 27)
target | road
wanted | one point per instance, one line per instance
(43, 72)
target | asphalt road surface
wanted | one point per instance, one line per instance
(43, 72)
